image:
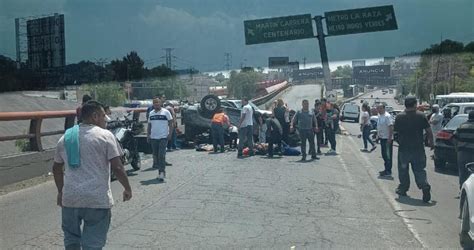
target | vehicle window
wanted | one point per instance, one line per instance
(455, 122)
(454, 110)
(468, 109)
(351, 108)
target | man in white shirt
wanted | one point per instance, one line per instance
(245, 128)
(436, 121)
(84, 157)
(385, 134)
(160, 126)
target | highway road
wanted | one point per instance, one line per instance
(219, 201)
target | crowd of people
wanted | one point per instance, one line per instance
(316, 126)
(87, 153)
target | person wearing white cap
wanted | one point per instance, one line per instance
(436, 121)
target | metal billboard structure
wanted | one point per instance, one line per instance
(278, 62)
(40, 46)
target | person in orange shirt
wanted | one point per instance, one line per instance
(219, 119)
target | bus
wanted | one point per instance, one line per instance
(460, 97)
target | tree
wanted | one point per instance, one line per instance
(84, 72)
(134, 66)
(111, 94)
(244, 83)
(342, 71)
(129, 68)
(469, 47)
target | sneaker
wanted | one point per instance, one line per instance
(161, 176)
(373, 148)
(314, 157)
(364, 150)
(168, 164)
(401, 192)
(385, 173)
(331, 152)
(303, 158)
(319, 152)
(426, 194)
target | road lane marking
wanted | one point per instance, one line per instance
(388, 195)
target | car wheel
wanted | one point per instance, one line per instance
(210, 104)
(465, 239)
(439, 163)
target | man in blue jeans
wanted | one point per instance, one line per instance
(245, 128)
(410, 125)
(385, 134)
(160, 126)
(84, 157)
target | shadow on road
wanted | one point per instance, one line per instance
(390, 178)
(131, 172)
(272, 158)
(415, 202)
(448, 170)
(150, 169)
(151, 182)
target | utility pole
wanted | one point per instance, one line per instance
(228, 60)
(168, 57)
(323, 51)
(304, 62)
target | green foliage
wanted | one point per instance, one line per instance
(23, 145)
(244, 83)
(111, 94)
(342, 71)
(445, 68)
(171, 87)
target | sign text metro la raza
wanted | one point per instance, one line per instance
(361, 20)
(278, 29)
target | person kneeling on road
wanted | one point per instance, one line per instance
(274, 135)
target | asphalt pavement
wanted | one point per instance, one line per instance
(219, 201)
(435, 224)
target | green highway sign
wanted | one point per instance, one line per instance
(278, 29)
(352, 21)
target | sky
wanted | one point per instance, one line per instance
(202, 31)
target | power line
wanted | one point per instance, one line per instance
(228, 60)
(168, 57)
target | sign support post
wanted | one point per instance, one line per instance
(323, 52)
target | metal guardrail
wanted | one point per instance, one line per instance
(263, 99)
(36, 118)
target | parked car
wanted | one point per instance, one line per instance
(459, 108)
(467, 210)
(445, 151)
(350, 111)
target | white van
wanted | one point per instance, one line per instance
(350, 111)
